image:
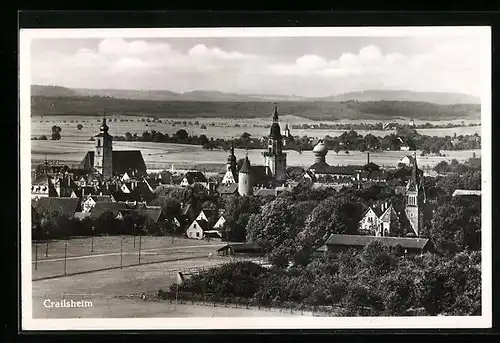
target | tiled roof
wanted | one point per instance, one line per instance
(101, 198)
(101, 207)
(266, 192)
(195, 176)
(204, 225)
(259, 176)
(324, 168)
(358, 240)
(81, 215)
(464, 192)
(124, 161)
(243, 247)
(66, 206)
(152, 213)
(228, 189)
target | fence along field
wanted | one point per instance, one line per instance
(54, 258)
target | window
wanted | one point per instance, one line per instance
(197, 234)
(98, 143)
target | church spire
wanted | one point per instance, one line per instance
(275, 115)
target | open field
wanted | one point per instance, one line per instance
(107, 253)
(114, 293)
(164, 155)
(224, 128)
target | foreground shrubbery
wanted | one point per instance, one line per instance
(374, 282)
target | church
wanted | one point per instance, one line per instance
(271, 174)
(111, 163)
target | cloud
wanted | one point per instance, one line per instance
(446, 65)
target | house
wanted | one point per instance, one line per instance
(406, 160)
(369, 220)
(130, 162)
(81, 215)
(116, 208)
(151, 183)
(197, 229)
(220, 223)
(227, 189)
(193, 177)
(64, 206)
(92, 200)
(43, 186)
(208, 215)
(466, 193)
(336, 243)
(247, 249)
(154, 214)
(379, 220)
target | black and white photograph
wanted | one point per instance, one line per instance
(256, 178)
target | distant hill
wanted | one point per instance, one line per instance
(201, 95)
(389, 95)
(55, 91)
(321, 110)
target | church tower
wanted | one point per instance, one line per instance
(275, 158)
(231, 176)
(103, 156)
(245, 186)
(415, 200)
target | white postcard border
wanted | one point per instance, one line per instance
(29, 323)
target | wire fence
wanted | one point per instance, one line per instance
(53, 259)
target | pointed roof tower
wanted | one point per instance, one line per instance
(245, 168)
(275, 127)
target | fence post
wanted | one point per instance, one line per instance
(121, 253)
(36, 256)
(65, 253)
(47, 248)
(140, 239)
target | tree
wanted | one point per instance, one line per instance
(203, 140)
(237, 214)
(245, 135)
(456, 225)
(339, 214)
(182, 135)
(79, 127)
(56, 132)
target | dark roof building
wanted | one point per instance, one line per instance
(64, 206)
(228, 189)
(336, 243)
(102, 207)
(124, 161)
(243, 248)
(194, 176)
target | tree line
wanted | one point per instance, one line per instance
(347, 141)
(376, 281)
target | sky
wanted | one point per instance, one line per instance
(301, 66)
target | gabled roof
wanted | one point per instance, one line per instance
(204, 225)
(151, 213)
(359, 240)
(195, 176)
(152, 182)
(464, 192)
(211, 214)
(266, 192)
(231, 188)
(259, 175)
(65, 206)
(124, 161)
(101, 198)
(101, 207)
